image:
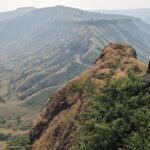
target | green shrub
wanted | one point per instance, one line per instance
(117, 117)
(4, 137)
(81, 87)
(19, 143)
(2, 120)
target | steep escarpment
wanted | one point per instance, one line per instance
(54, 127)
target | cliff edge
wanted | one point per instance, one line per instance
(53, 128)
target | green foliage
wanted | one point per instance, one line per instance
(19, 143)
(2, 120)
(75, 87)
(4, 137)
(80, 87)
(113, 68)
(118, 117)
(18, 119)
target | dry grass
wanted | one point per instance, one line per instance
(61, 122)
(2, 145)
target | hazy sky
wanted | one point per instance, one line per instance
(6, 5)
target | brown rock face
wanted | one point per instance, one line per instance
(53, 128)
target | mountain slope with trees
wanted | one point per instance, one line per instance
(105, 107)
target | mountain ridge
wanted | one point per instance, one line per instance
(4, 16)
(55, 124)
(140, 13)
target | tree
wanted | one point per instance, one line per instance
(19, 143)
(117, 117)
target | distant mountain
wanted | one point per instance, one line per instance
(16, 13)
(144, 14)
(44, 48)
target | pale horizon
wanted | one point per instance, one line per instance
(84, 4)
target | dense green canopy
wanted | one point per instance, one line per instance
(117, 118)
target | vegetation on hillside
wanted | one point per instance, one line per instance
(19, 143)
(117, 117)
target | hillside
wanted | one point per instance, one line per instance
(55, 126)
(44, 48)
(144, 14)
(14, 14)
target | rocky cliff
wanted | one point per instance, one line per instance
(54, 127)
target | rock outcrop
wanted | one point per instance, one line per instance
(53, 128)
